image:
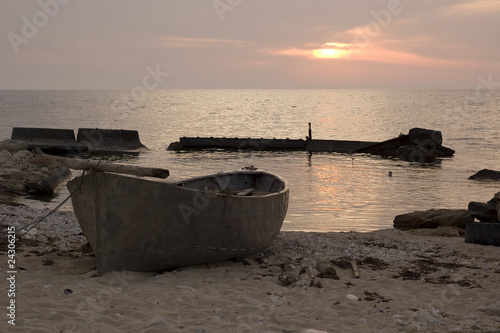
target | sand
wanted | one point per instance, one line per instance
(407, 283)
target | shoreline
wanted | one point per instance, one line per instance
(303, 282)
(407, 283)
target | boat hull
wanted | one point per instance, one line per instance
(143, 225)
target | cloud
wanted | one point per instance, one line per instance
(474, 7)
(261, 43)
(187, 42)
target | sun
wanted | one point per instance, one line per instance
(329, 53)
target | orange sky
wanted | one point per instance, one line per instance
(56, 44)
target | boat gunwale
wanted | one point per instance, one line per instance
(177, 184)
(286, 187)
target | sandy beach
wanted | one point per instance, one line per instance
(406, 284)
(347, 147)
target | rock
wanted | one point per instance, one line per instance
(484, 212)
(493, 309)
(433, 218)
(498, 211)
(424, 137)
(327, 270)
(21, 155)
(13, 146)
(156, 321)
(442, 151)
(493, 202)
(4, 156)
(414, 153)
(438, 232)
(175, 146)
(486, 174)
(401, 322)
(483, 233)
(289, 275)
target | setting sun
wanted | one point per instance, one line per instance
(329, 53)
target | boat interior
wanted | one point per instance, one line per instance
(237, 183)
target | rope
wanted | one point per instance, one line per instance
(225, 250)
(37, 222)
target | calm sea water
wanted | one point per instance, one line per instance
(328, 192)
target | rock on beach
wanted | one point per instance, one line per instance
(433, 218)
(16, 170)
(486, 175)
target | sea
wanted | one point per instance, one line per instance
(328, 191)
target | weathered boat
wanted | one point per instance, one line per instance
(140, 224)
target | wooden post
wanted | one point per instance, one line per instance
(79, 164)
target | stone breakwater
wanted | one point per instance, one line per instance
(16, 171)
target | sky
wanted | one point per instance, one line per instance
(256, 44)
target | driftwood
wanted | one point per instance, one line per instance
(51, 184)
(79, 164)
(355, 269)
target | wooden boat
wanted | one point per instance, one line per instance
(141, 224)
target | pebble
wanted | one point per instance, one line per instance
(186, 287)
(493, 309)
(352, 297)
(456, 330)
(401, 322)
(5, 154)
(467, 264)
(156, 321)
(471, 323)
(276, 301)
